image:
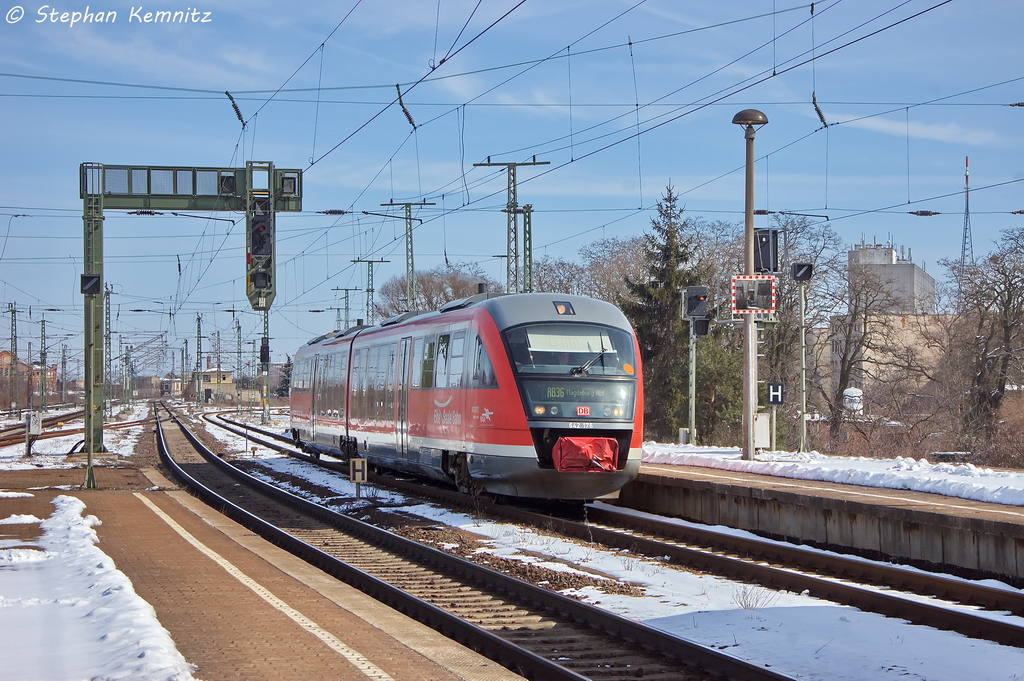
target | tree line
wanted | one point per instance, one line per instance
(941, 380)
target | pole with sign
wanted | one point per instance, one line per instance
(802, 273)
(357, 472)
(695, 303)
(751, 120)
(752, 295)
(775, 394)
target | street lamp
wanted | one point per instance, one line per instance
(749, 118)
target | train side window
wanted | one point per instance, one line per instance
(429, 345)
(342, 383)
(456, 363)
(321, 386)
(371, 383)
(417, 361)
(335, 384)
(380, 386)
(358, 366)
(483, 371)
(442, 360)
(389, 387)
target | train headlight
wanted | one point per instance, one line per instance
(539, 410)
(554, 411)
(618, 411)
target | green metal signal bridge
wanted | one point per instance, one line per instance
(259, 190)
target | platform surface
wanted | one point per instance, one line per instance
(873, 496)
(236, 606)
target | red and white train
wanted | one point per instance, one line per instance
(526, 395)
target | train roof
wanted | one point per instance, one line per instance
(513, 310)
(509, 310)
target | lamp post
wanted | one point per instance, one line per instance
(749, 118)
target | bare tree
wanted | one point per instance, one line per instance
(991, 310)
(555, 275)
(802, 242)
(601, 271)
(434, 288)
(861, 337)
(610, 262)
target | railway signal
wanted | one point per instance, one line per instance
(766, 250)
(802, 271)
(258, 189)
(696, 302)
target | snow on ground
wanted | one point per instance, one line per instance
(67, 613)
(53, 452)
(965, 481)
(797, 635)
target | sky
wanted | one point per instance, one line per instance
(805, 637)
(621, 98)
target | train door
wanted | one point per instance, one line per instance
(314, 394)
(402, 399)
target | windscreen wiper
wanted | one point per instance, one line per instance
(582, 369)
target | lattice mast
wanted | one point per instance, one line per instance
(967, 243)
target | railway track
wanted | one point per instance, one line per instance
(16, 435)
(528, 628)
(868, 585)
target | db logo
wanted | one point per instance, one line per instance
(582, 411)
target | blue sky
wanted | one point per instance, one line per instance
(571, 82)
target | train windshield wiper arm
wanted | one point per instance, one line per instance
(582, 369)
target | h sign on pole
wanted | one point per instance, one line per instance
(357, 472)
(775, 393)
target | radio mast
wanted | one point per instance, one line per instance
(967, 244)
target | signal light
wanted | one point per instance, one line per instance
(265, 352)
(696, 302)
(261, 279)
(261, 234)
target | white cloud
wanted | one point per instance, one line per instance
(940, 132)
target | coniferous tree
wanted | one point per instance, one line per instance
(653, 307)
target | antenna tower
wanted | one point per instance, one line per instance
(967, 245)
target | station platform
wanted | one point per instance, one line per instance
(237, 607)
(969, 538)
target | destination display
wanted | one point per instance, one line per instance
(576, 399)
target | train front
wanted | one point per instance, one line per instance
(577, 371)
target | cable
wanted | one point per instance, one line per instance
(376, 115)
(390, 85)
(306, 61)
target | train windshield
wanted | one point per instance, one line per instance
(571, 350)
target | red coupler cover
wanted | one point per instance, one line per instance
(583, 454)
